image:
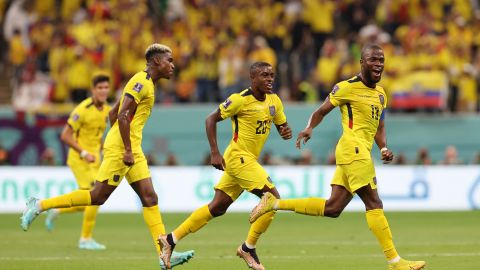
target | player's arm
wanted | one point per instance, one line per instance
(211, 127)
(285, 131)
(124, 115)
(68, 138)
(315, 118)
(381, 140)
(113, 113)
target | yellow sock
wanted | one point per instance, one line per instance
(378, 224)
(308, 206)
(259, 227)
(75, 198)
(193, 223)
(71, 209)
(89, 218)
(152, 217)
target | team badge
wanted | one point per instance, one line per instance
(137, 87)
(382, 99)
(269, 179)
(226, 103)
(335, 89)
(75, 117)
(272, 110)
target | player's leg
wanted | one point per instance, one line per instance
(226, 192)
(83, 176)
(89, 217)
(378, 224)
(139, 178)
(333, 207)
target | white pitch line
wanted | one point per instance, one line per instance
(276, 257)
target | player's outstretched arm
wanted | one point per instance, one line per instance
(381, 141)
(124, 117)
(315, 118)
(211, 128)
(285, 131)
(68, 138)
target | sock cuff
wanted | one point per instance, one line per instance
(375, 212)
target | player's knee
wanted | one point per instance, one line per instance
(217, 210)
(333, 212)
(149, 199)
(98, 199)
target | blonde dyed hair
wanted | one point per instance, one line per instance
(156, 48)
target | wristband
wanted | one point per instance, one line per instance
(383, 149)
(83, 154)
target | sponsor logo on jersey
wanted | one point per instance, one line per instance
(335, 89)
(75, 117)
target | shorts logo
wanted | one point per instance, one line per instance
(272, 110)
(137, 87)
(269, 179)
(116, 178)
(375, 180)
(226, 103)
(382, 99)
(335, 89)
(75, 117)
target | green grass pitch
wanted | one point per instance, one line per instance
(446, 240)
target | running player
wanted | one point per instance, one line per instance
(252, 112)
(362, 103)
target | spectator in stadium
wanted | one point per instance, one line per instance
(47, 157)
(83, 135)
(3, 155)
(363, 123)
(450, 156)
(123, 154)
(240, 161)
(171, 160)
(423, 157)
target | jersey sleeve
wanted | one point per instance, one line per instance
(136, 88)
(280, 117)
(76, 118)
(339, 95)
(231, 106)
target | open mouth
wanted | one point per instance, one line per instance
(269, 86)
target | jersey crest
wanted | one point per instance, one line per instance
(272, 110)
(137, 87)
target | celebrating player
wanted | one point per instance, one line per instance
(362, 103)
(123, 154)
(252, 112)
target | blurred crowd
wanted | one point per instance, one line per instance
(56, 46)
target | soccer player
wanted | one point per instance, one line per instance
(123, 154)
(362, 103)
(252, 112)
(83, 133)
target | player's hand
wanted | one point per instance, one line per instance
(304, 135)
(286, 132)
(89, 158)
(128, 158)
(387, 156)
(217, 161)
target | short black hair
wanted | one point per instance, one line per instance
(256, 65)
(99, 79)
(155, 49)
(370, 46)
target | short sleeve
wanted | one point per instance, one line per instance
(231, 106)
(76, 118)
(136, 89)
(339, 95)
(279, 117)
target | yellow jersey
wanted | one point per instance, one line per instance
(141, 88)
(362, 109)
(251, 121)
(88, 124)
